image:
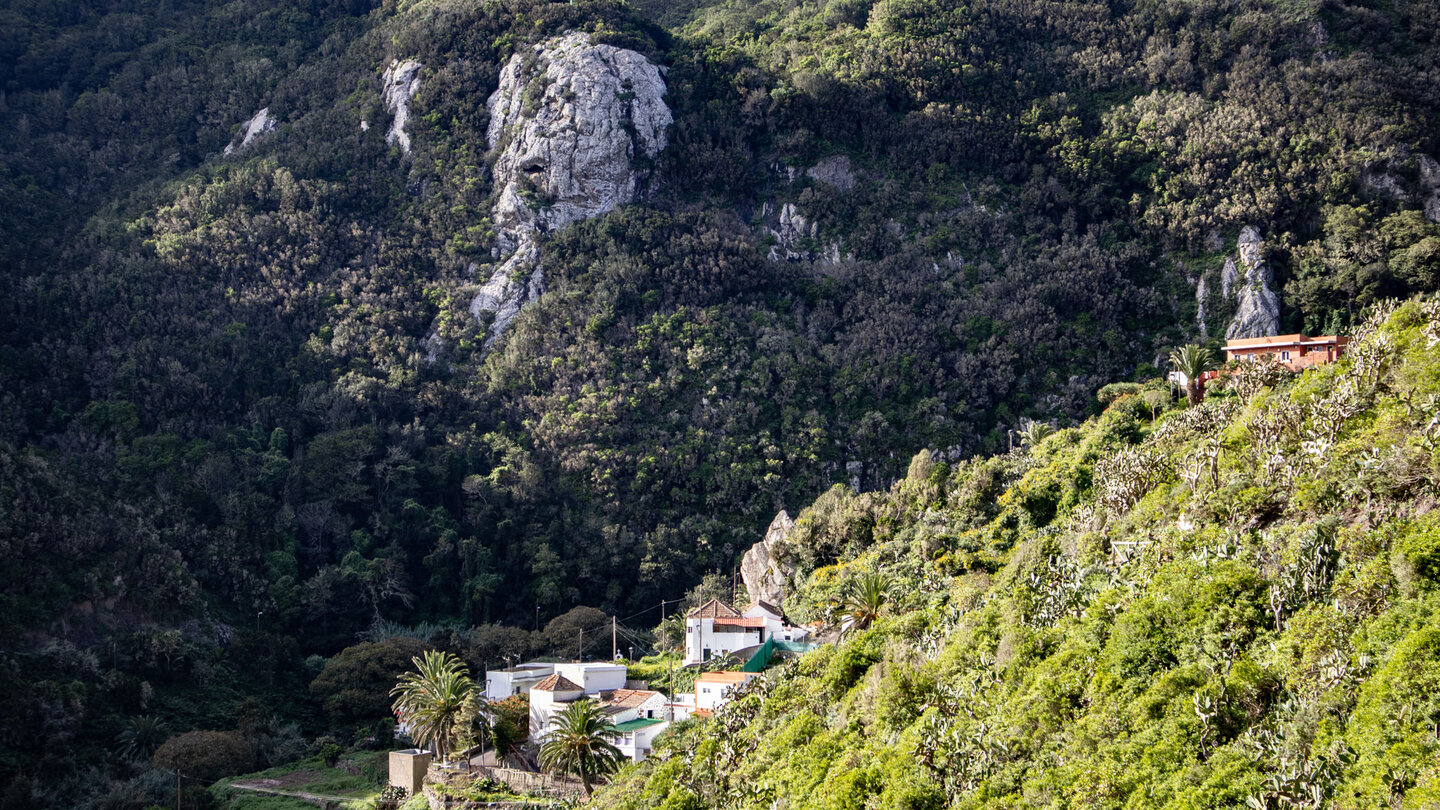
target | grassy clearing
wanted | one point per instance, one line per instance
(359, 775)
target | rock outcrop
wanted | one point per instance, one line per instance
(575, 124)
(401, 81)
(1430, 185)
(833, 171)
(763, 569)
(258, 124)
(1257, 312)
(1202, 291)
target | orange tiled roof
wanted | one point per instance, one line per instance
(557, 683)
(742, 621)
(714, 609)
(725, 677)
(626, 698)
(1282, 340)
(703, 713)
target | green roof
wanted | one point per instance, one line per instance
(635, 725)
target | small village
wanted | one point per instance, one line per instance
(632, 715)
(619, 718)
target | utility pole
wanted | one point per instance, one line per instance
(614, 650)
(580, 652)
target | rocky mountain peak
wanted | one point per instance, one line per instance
(575, 124)
(1258, 310)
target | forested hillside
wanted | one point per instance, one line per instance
(247, 414)
(1235, 604)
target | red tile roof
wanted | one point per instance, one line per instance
(626, 698)
(1283, 340)
(557, 683)
(743, 621)
(726, 677)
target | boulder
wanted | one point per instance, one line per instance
(767, 576)
(258, 124)
(833, 171)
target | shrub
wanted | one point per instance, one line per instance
(205, 755)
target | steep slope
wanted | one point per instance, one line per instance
(249, 407)
(1231, 605)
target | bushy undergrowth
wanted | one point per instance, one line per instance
(1231, 605)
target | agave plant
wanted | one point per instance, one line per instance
(431, 700)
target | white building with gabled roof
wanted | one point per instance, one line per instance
(716, 629)
(712, 689)
(639, 715)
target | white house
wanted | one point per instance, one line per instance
(517, 680)
(712, 689)
(716, 629)
(639, 715)
(547, 699)
(593, 677)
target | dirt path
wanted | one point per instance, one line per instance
(314, 798)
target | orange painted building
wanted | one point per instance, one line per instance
(1296, 352)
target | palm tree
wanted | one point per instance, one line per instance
(862, 599)
(580, 744)
(1033, 431)
(430, 700)
(1192, 361)
(142, 735)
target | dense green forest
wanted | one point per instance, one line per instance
(1232, 605)
(247, 422)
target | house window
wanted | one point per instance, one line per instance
(1285, 355)
(706, 655)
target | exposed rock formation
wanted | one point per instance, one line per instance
(762, 568)
(258, 125)
(833, 171)
(1258, 310)
(1202, 291)
(575, 124)
(518, 280)
(401, 81)
(790, 226)
(1430, 185)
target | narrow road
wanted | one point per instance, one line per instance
(314, 798)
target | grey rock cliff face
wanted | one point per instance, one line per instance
(1430, 185)
(401, 81)
(575, 124)
(1258, 311)
(258, 124)
(762, 568)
